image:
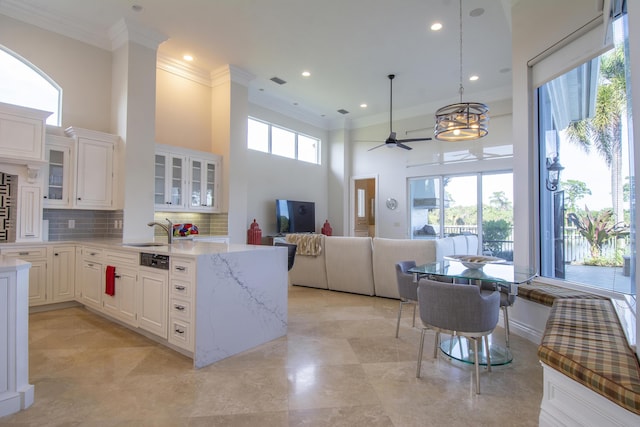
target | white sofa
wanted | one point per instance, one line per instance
(366, 266)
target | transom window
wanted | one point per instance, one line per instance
(270, 138)
(22, 83)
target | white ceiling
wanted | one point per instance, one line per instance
(349, 46)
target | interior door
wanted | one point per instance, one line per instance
(364, 207)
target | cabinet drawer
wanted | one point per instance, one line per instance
(121, 258)
(181, 288)
(91, 253)
(180, 308)
(26, 253)
(183, 269)
(180, 333)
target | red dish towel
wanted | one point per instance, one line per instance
(110, 287)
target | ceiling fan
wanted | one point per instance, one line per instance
(392, 141)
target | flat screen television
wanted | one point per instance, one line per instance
(293, 216)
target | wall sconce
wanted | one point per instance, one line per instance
(553, 173)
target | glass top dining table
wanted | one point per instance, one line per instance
(501, 275)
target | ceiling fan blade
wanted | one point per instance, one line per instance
(377, 146)
(414, 139)
(406, 147)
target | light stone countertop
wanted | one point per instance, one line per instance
(178, 247)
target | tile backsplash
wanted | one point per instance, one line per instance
(208, 224)
(100, 224)
(7, 206)
(86, 224)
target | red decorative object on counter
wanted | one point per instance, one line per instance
(254, 234)
(326, 228)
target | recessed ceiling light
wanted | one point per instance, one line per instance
(188, 58)
(476, 12)
(436, 26)
(306, 74)
(473, 78)
(363, 105)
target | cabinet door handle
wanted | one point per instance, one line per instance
(56, 254)
(117, 276)
(179, 331)
(179, 307)
(23, 253)
(44, 197)
(181, 268)
(79, 198)
(180, 288)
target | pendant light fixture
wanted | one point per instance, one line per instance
(464, 121)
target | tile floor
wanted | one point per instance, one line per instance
(340, 365)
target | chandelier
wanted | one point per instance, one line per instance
(464, 121)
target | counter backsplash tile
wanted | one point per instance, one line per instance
(87, 224)
(208, 224)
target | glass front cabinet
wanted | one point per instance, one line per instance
(204, 177)
(186, 180)
(170, 180)
(59, 152)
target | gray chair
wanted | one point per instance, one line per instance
(407, 289)
(457, 310)
(506, 301)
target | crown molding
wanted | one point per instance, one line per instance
(126, 30)
(283, 107)
(184, 70)
(42, 18)
(231, 72)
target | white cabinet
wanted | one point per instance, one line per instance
(182, 291)
(52, 273)
(15, 391)
(153, 296)
(22, 133)
(186, 180)
(59, 153)
(30, 220)
(63, 273)
(91, 277)
(204, 174)
(94, 172)
(37, 256)
(170, 181)
(122, 305)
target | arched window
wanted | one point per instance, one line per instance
(22, 83)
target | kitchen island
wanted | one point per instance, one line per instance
(241, 300)
(240, 297)
(205, 300)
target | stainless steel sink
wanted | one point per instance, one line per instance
(144, 245)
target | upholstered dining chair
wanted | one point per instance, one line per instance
(457, 310)
(291, 248)
(506, 301)
(407, 289)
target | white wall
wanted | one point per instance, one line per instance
(83, 71)
(273, 177)
(183, 112)
(393, 166)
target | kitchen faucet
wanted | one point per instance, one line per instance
(168, 228)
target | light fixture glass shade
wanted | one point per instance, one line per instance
(464, 121)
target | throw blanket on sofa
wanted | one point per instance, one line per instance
(308, 244)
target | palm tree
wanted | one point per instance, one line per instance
(603, 131)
